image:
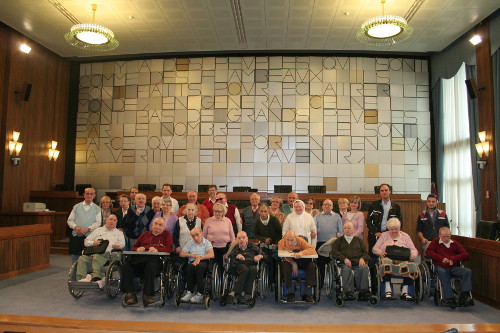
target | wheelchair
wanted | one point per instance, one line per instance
(260, 284)
(398, 271)
(164, 280)
(334, 285)
(212, 283)
(113, 273)
(298, 282)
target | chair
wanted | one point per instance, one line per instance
(316, 189)
(177, 188)
(80, 188)
(241, 189)
(282, 188)
(146, 187)
(203, 188)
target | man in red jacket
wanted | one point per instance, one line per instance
(446, 256)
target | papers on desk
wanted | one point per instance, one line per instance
(289, 254)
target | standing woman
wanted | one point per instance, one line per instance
(275, 210)
(166, 214)
(218, 229)
(105, 204)
(183, 226)
(310, 207)
(355, 216)
(343, 205)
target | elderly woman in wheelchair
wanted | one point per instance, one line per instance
(397, 252)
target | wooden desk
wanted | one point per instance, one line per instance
(56, 220)
(485, 265)
(59, 201)
(24, 249)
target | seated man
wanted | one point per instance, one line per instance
(156, 240)
(290, 266)
(446, 255)
(244, 258)
(351, 251)
(97, 261)
(198, 250)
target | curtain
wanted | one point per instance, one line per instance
(437, 111)
(496, 94)
(457, 165)
(470, 72)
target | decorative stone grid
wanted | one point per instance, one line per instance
(349, 123)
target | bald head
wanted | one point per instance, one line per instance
(290, 239)
(348, 229)
(327, 206)
(242, 239)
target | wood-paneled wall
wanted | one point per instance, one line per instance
(485, 265)
(39, 120)
(24, 249)
(56, 220)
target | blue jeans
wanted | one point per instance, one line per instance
(445, 275)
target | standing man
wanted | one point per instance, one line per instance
(192, 197)
(288, 208)
(133, 193)
(379, 212)
(430, 221)
(85, 217)
(446, 256)
(136, 224)
(250, 213)
(166, 191)
(212, 199)
(232, 212)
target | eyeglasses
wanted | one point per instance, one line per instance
(218, 211)
(219, 199)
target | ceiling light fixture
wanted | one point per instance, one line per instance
(476, 39)
(92, 37)
(384, 30)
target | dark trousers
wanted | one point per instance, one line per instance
(219, 253)
(306, 264)
(196, 274)
(246, 277)
(322, 262)
(141, 266)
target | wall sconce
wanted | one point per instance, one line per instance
(53, 152)
(15, 148)
(483, 149)
(25, 48)
(476, 39)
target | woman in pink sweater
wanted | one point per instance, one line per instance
(218, 229)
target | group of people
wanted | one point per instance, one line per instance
(200, 232)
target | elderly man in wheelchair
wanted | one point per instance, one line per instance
(397, 252)
(351, 253)
(242, 260)
(446, 256)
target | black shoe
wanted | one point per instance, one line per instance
(148, 300)
(308, 298)
(250, 301)
(95, 279)
(240, 299)
(466, 300)
(229, 299)
(449, 302)
(364, 295)
(349, 296)
(290, 298)
(130, 299)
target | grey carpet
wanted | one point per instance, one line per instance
(45, 293)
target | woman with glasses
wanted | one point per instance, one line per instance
(218, 229)
(355, 216)
(275, 210)
(166, 213)
(310, 207)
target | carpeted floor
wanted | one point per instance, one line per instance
(45, 293)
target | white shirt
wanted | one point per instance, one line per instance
(114, 236)
(302, 224)
(446, 244)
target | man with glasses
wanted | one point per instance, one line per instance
(232, 212)
(211, 200)
(85, 217)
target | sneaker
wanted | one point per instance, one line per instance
(187, 296)
(388, 294)
(290, 298)
(88, 278)
(101, 283)
(130, 299)
(148, 300)
(198, 298)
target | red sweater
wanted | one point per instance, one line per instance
(163, 242)
(438, 252)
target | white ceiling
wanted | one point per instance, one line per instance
(160, 26)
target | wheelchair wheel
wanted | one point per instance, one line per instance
(176, 301)
(317, 289)
(72, 278)
(426, 280)
(374, 300)
(279, 288)
(215, 282)
(169, 281)
(419, 288)
(113, 278)
(339, 302)
(329, 281)
(251, 304)
(206, 302)
(263, 284)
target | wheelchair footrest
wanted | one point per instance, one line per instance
(84, 285)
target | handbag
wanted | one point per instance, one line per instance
(76, 244)
(399, 253)
(97, 249)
